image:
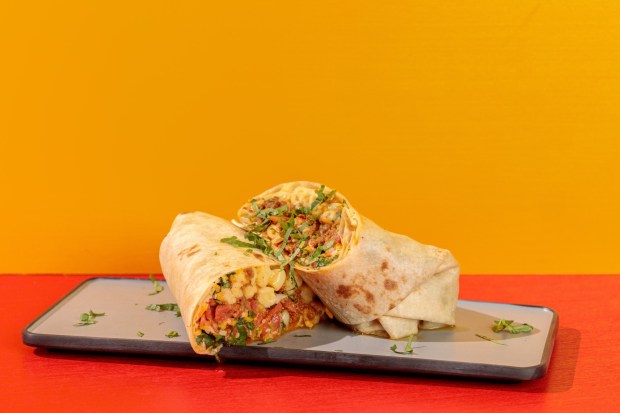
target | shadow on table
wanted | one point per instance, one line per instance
(559, 377)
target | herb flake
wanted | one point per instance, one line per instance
(172, 334)
(88, 318)
(506, 325)
(408, 347)
(158, 287)
(165, 307)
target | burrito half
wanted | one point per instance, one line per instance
(376, 281)
(230, 295)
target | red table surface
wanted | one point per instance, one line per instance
(584, 373)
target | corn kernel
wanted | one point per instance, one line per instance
(278, 277)
(266, 296)
(249, 291)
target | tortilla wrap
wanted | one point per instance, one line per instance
(373, 280)
(210, 281)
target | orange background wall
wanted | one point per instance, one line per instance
(489, 128)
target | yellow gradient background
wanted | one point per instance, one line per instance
(491, 128)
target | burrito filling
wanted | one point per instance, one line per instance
(255, 304)
(306, 232)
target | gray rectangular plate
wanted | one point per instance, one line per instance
(128, 327)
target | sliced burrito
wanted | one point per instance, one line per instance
(230, 295)
(373, 280)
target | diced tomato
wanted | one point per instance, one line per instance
(225, 312)
(267, 320)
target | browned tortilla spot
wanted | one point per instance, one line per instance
(258, 256)
(345, 291)
(362, 308)
(189, 251)
(392, 305)
(384, 265)
(369, 296)
(390, 284)
(388, 248)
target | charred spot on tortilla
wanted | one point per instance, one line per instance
(190, 250)
(384, 266)
(345, 291)
(390, 285)
(258, 256)
(360, 279)
(369, 296)
(362, 308)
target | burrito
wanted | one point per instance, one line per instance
(373, 280)
(230, 295)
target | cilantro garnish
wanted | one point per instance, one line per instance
(158, 287)
(225, 283)
(302, 335)
(506, 325)
(165, 307)
(88, 318)
(321, 197)
(290, 234)
(235, 242)
(242, 328)
(206, 339)
(408, 347)
(172, 334)
(140, 334)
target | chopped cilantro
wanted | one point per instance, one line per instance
(88, 318)
(289, 233)
(140, 334)
(235, 242)
(321, 197)
(506, 325)
(408, 347)
(204, 338)
(225, 283)
(172, 334)
(164, 307)
(158, 287)
(242, 335)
